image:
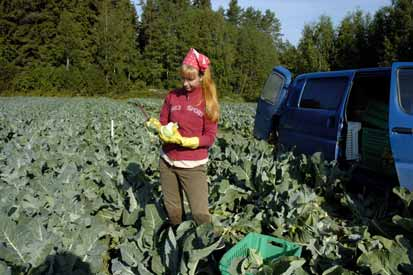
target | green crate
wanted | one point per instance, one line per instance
(268, 247)
(376, 115)
(376, 152)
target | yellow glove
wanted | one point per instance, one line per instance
(153, 125)
(190, 142)
(169, 134)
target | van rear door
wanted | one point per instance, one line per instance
(401, 121)
(272, 96)
(313, 119)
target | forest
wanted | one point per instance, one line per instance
(107, 48)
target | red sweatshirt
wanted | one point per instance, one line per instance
(188, 110)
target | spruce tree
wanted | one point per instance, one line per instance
(233, 14)
(351, 42)
(151, 34)
(256, 54)
(380, 31)
(205, 4)
(289, 57)
(401, 37)
(316, 47)
(114, 34)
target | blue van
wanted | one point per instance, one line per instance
(362, 116)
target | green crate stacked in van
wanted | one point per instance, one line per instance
(375, 147)
(376, 115)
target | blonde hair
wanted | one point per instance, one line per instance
(208, 89)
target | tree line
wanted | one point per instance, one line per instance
(104, 47)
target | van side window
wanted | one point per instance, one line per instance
(406, 89)
(272, 88)
(295, 92)
(323, 93)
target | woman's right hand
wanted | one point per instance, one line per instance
(153, 125)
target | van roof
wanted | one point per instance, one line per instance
(343, 72)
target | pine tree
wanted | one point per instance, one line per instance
(151, 36)
(256, 54)
(70, 39)
(289, 57)
(271, 25)
(233, 14)
(316, 47)
(401, 36)
(378, 31)
(391, 33)
(204, 4)
(115, 40)
(352, 41)
(34, 25)
(7, 50)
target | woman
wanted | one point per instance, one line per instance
(184, 155)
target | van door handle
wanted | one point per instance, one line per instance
(331, 121)
(403, 130)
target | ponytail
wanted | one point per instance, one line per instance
(210, 95)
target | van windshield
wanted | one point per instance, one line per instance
(272, 88)
(406, 89)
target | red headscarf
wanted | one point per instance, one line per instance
(196, 60)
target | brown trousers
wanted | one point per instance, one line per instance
(193, 181)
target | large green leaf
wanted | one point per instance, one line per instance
(4, 269)
(151, 223)
(385, 256)
(285, 266)
(337, 270)
(131, 253)
(156, 262)
(171, 252)
(14, 238)
(25, 242)
(130, 216)
(230, 195)
(142, 270)
(89, 237)
(404, 195)
(118, 268)
(406, 223)
(197, 246)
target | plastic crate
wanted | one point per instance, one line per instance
(268, 247)
(376, 152)
(376, 115)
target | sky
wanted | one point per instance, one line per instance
(294, 14)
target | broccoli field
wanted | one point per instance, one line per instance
(79, 198)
